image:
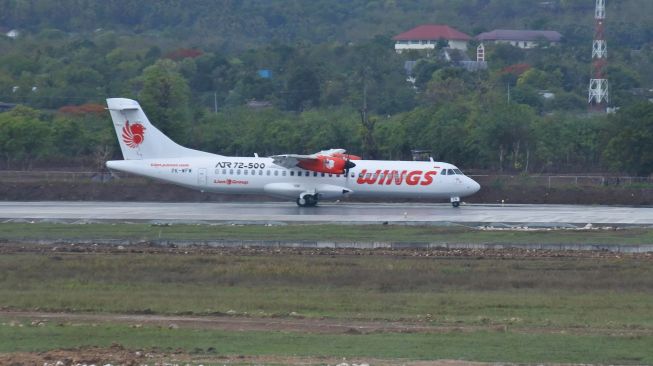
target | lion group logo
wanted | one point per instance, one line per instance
(133, 134)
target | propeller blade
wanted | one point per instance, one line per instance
(348, 165)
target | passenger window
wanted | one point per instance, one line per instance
(292, 173)
(224, 171)
(276, 172)
(253, 172)
(323, 174)
(315, 174)
(231, 171)
(238, 172)
(307, 173)
(267, 172)
(244, 172)
(283, 173)
(260, 172)
(338, 175)
(330, 175)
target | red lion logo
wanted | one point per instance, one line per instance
(133, 134)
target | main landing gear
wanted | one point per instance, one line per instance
(307, 200)
(455, 201)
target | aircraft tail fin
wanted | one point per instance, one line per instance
(138, 138)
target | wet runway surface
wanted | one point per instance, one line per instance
(354, 213)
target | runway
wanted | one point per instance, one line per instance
(344, 212)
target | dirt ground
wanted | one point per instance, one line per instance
(237, 323)
(117, 355)
(146, 247)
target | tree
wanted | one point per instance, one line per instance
(503, 54)
(165, 99)
(23, 136)
(631, 147)
(503, 133)
(303, 89)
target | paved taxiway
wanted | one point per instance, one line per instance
(345, 212)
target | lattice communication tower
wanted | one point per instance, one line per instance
(599, 95)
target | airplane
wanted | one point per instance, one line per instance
(325, 175)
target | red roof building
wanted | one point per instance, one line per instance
(426, 37)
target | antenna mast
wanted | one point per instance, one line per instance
(599, 96)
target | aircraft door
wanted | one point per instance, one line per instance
(201, 176)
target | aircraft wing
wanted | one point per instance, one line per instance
(291, 160)
(327, 161)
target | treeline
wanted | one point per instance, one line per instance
(505, 137)
(301, 97)
(236, 25)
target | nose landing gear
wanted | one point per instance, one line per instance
(455, 201)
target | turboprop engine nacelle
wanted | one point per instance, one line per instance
(327, 164)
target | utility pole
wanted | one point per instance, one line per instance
(369, 144)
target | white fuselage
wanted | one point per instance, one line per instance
(253, 175)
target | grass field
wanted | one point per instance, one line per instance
(557, 308)
(338, 233)
(477, 346)
(580, 293)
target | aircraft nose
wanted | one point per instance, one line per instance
(473, 186)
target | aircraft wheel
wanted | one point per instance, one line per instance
(455, 204)
(311, 200)
(307, 200)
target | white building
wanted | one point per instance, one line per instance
(520, 38)
(426, 37)
(14, 33)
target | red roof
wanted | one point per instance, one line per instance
(516, 69)
(432, 32)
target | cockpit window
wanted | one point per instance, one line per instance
(450, 172)
(444, 172)
(458, 172)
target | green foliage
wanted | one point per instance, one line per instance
(504, 132)
(326, 59)
(567, 140)
(303, 89)
(165, 97)
(503, 54)
(242, 131)
(23, 136)
(631, 146)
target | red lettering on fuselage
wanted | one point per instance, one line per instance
(428, 178)
(389, 177)
(383, 176)
(368, 178)
(395, 177)
(413, 177)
